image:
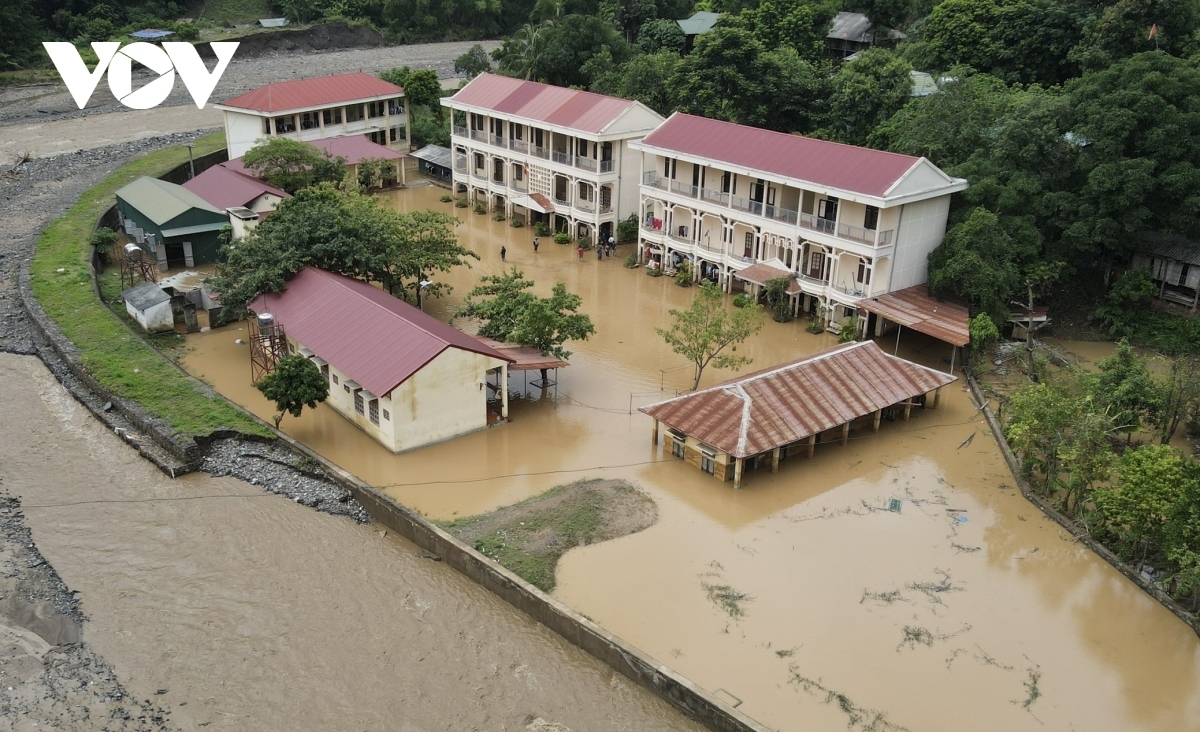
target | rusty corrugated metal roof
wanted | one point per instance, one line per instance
(375, 339)
(824, 163)
(788, 403)
(284, 96)
(914, 307)
(555, 105)
(524, 358)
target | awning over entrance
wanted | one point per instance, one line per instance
(534, 202)
(772, 269)
(913, 307)
(523, 358)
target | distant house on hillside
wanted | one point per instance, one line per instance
(1173, 261)
(316, 109)
(403, 377)
(701, 22)
(245, 198)
(849, 34)
(176, 226)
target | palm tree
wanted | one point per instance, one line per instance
(523, 50)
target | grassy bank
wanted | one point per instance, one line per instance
(529, 537)
(120, 361)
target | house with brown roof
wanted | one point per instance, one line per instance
(550, 154)
(317, 109)
(747, 205)
(403, 377)
(245, 198)
(784, 410)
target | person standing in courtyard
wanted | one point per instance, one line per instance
(503, 252)
(535, 244)
(579, 251)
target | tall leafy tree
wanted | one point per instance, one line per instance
(704, 331)
(980, 262)
(1138, 504)
(1124, 386)
(421, 86)
(571, 44)
(473, 63)
(794, 24)
(291, 164)
(295, 383)
(646, 78)
(866, 92)
(661, 35)
(1117, 30)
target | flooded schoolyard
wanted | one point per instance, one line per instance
(964, 610)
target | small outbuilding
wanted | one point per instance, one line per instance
(243, 197)
(1173, 261)
(179, 227)
(787, 409)
(403, 377)
(150, 306)
(434, 160)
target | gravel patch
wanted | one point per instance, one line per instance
(277, 470)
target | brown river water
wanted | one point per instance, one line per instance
(260, 614)
(951, 614)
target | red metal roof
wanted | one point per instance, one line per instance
(355, 148)
(375, 339)
(788, 403)
(828, 164)
(524, 358)
(913, 307)
(283, 96)
(555, 105)
(225, 188)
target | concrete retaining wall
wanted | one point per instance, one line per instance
(175, 456)
(1080, 533)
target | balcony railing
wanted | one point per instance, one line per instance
(606, 208)
(606, 166)
(813, 280)
(498, 180)
(498, 141)
(540, 152)
(518, 145)
(708, 247)
(650, 228)
(785, 215)
(651, 178)
(460, 131)
(585, 205)
(825, 226)
(586, 164)
(480, 174)
(460, 167)
(858, 289)
(561, 201)
(716, 197)
(479, 136)
(680, 239)
(518, 185)
(687, 190)
(745, 204)
(560, 157)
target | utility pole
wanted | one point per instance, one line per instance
(191, 161)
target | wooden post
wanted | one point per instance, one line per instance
(907, 410)
(775, 459)
(812, 445)
(654, 435)
(878, 416)
(845, 432)
(937, 394)
(737, 474)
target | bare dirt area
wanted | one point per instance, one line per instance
(531, 536)
(48, 102)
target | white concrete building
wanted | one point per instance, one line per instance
(317, 109)
(843, 222)
(547, 153)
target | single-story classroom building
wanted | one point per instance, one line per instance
(178, 227)
(403, 377)
(783, 410)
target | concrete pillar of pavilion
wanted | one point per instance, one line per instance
(737, 473)
(812, 445)
(504, 391)
(845, 432)
(654, 434)
(878, 416)
(937, 395)
(907, 410)
(775, 454)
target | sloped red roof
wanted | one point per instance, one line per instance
(282, 96)
(828, 164)
(555, 105)
(225, 188)
(784, 404)
(375, 339)
(355, 148)
(913, 307)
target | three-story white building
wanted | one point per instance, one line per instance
(318, 109)
(548, 153)
(842, 222)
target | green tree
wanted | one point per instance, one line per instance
(103, 240)
(866, 92)
(509, 311)
(1026, 41)
(374, 172)
(340, 231)
(1113, 31)
(794, 24)
(473, 63)
(776, 293)
(1181, 538)
(978, 261)
(1124, 386)
(1137, 505)
(421, 86)
(646, 78)
(521, 52)
(1126, 302)
(1179, 396)
(571, 44)
(291, 165)
(295, 383)
(703, 331)
(984, 334)
(661, 35)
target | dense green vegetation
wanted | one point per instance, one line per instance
(1073, 434)
(119, 360)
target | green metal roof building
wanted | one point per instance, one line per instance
(179, 228)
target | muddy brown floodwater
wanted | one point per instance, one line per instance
(255, 613)
(965, 610)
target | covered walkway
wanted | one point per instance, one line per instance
(915, 308)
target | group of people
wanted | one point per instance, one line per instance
(603, 248)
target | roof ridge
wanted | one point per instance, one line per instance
(338, 280)
(795, 137)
